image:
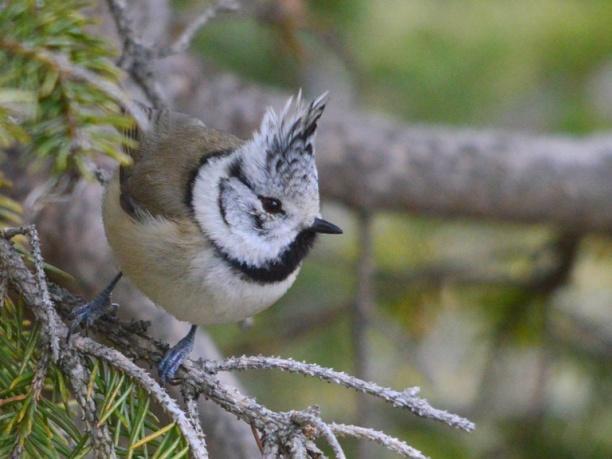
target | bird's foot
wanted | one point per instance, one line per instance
(174, 357)
(88, 313)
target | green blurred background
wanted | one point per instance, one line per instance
(459, 310)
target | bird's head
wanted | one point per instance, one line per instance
(267, 198)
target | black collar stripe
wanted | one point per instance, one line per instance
(277, 270)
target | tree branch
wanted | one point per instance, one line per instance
(361, 314)
(137, 58)
(391, 443)
(186, 37)
(406, 399)
(118, 360)
(280, 428)
(64, 67)
(69, 361)
(368, 161)
(303, 418)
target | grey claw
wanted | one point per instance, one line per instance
(173, 358)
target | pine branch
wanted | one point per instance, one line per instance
(155, 391)
(60, 64)
(60, 94)
(35, 293)
(289, 432)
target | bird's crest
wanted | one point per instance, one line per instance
(290, 133)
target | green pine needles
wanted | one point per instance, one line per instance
(58, 85)
(60, 104)
(38, 414)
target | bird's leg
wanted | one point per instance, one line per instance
(96, 308)
(174, 357)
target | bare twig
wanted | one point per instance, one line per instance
(405, 399)
(389, 442)
(9, 233)
(137, 57)
(304, 418)
(190, 397)
(186, 37)
(41, 279)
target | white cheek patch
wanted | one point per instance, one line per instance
(237, 238)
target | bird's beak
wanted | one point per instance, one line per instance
(323, 226)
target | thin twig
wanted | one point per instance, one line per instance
(304, 418)
(186, 37)
(361, 316)
(405, 399)
(389, 442)
(9, 233)
(190, 397)
(41, 279)
(137, 57)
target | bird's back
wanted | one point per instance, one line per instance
(166, 160)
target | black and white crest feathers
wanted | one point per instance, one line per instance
(295, 130)
(290, 132)
(283, 147)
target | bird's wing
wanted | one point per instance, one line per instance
(165, 162)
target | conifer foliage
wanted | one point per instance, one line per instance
(59, 103)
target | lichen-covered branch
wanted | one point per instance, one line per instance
(283, 432)
(304, 418)
(389, 442)
(405, 399)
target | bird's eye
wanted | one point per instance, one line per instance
(271, 205)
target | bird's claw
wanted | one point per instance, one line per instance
(173, 358)
(88, 313)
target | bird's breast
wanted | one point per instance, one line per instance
(174, 265)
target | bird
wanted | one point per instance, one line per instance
(210, 227)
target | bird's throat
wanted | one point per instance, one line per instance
(276, 270)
